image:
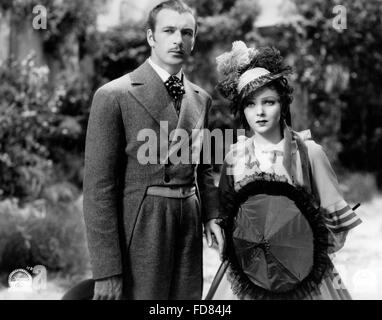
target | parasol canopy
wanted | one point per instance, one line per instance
(273, 242)
(278, 242)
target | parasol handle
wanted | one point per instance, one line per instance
(218, 277)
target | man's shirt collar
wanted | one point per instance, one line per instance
(163, 74)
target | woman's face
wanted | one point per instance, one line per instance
(263, 112)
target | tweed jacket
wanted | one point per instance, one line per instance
(115, 181)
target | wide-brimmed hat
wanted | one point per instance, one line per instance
(244, 70)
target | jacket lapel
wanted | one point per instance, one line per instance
(148, 88)
(191, 117)
(191, 110)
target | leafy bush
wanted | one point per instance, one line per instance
(26, 117)
(344, 96)
(39, 127)
(67, 145)
(51, 234)
(118, 51)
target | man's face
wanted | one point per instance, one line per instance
(173, 39)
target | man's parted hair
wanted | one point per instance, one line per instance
(176, 5)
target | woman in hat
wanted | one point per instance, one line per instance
(281, 207)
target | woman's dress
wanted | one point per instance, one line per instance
(287, 160)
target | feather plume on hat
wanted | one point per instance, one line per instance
(246, 69)
(229, 66)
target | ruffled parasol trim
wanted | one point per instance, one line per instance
(266, 183)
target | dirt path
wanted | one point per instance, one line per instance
(360, 261)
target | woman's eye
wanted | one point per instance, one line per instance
(269, 102)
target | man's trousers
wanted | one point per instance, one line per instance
(165, 255)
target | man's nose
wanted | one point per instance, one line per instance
(177, 37)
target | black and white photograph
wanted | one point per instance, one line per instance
(190, 150)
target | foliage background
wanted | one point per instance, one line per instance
(44, 108)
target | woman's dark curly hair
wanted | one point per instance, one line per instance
(270, 59)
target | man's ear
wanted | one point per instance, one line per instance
(150, 38)
(194, 41)
(192, 44)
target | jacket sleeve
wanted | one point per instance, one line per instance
(339, 217)
(103, 152)
(206, 182)
(227, 198)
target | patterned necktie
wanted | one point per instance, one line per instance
(175, 87)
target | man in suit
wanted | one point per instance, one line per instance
(144, 219)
